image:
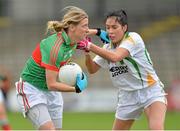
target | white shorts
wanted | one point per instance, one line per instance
(39, 115)
(29, 96)
(131, 104)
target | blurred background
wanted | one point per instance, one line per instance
(23, 25)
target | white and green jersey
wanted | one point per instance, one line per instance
(133, 72)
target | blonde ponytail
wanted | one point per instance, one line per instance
(73, 15)
(53, 27)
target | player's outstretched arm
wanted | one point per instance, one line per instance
(114, 56)
(103, 35)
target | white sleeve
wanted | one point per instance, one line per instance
(134, 44)
(129, 46)
(101, 61)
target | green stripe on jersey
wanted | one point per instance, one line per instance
(133, 62)
(148, 57)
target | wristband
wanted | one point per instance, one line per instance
(98, 31)
(77, 89)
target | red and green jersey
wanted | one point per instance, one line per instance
(51, 53)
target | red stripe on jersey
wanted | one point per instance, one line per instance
(55, 50)
(63, 63)
(36, 55)
(50, 67)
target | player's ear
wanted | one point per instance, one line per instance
(125, 28)
(71, 27)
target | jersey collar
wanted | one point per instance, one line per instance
(66, 38)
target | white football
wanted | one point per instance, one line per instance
(68, 73)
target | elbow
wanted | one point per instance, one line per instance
(51, 87)
(92, 70)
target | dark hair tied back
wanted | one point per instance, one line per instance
(120, 15)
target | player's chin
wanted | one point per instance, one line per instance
(114, 41)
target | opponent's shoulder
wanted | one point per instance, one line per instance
(133, 34)
(133, 37)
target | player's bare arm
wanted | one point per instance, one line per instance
(92, 32)
(54, 85)
(91, 65)
(118, 55)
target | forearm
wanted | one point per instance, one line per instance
(109, 55)
(57, 86)
(89, 64)
(92, 32)
(54, 85)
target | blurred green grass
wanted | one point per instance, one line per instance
(93, 121)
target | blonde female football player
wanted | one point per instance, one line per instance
(131, 70)
(38, 90)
